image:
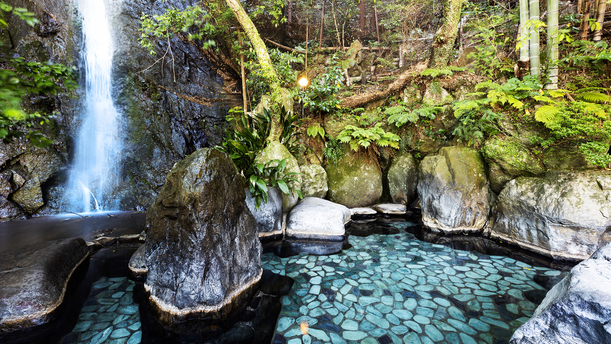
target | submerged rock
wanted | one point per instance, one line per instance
(565, 215)
(316, 218)
(315, 183)
(576, 310)
(453, 190)
(202, 250)
(33, 284)
(269, 215)
(355, 181)
(403, 179)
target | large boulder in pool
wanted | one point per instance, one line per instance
(454, 192)
(269, 214)
(203, 253)
(403, 179)
(577, 310)
(319, 219)
(33, 285)
(564, 215)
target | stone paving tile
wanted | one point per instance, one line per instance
(397, 289)
(110, 316)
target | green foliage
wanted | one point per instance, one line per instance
(333, 150)
(400, 115)
(588, 56)
(272, 174)
(285, 64)
(20, 79)
(247, 138)
(363, 137)
(22, 13)
(174, 20)
(321, 95)
(316, 130)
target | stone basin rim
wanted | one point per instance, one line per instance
(16, 321)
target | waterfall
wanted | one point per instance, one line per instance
(94, 171)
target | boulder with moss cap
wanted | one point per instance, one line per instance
(454, 191)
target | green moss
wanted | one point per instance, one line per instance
(515, 159)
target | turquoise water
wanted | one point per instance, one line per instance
(384, 289)
(397, 289)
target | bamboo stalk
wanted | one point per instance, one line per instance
(523, 19)
(552, 44)
(602, 8)
(535, 66)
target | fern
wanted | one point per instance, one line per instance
(594, 97)
(400, 116)
(363, 137)
(548, 115)
(433, 72)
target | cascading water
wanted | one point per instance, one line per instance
(94, 170)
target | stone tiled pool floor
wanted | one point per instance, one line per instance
(398, 289)
(384, 289)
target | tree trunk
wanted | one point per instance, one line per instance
(446, 34)
(322, 24)
(535, 64)
(585, 24)
(269, 73)
(523, 30)
(552, 44)
(602, 7)
(289, 10)
(375, 14)
(362, 18)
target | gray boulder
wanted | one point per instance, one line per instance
(269, 215)
(390, 209)
(454, 192)
(575, 311)
(403, 179)
(564, 215)
(314, 182)
(316, 218)
(33, 285)
(137, 263)
(202, 249)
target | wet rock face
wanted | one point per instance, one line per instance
(269, 215)
(202, 250)
(565, 215)
(403, 179)
(453, 190)
(576, 310)
(170, 109)
(33, 283)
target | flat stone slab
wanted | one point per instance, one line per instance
(390, 209)
(33, 282)
(316, 218)
(363, 211)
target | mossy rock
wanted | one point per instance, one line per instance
(411, 95)
(566, 157)
(334, 124)
(277, 151)
(286, 101)
(403, 179)
(315, 182)
(436, 95)
(355, 181)
(509, 158)
(454, 192)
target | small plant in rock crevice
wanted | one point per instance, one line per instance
(271, 174)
